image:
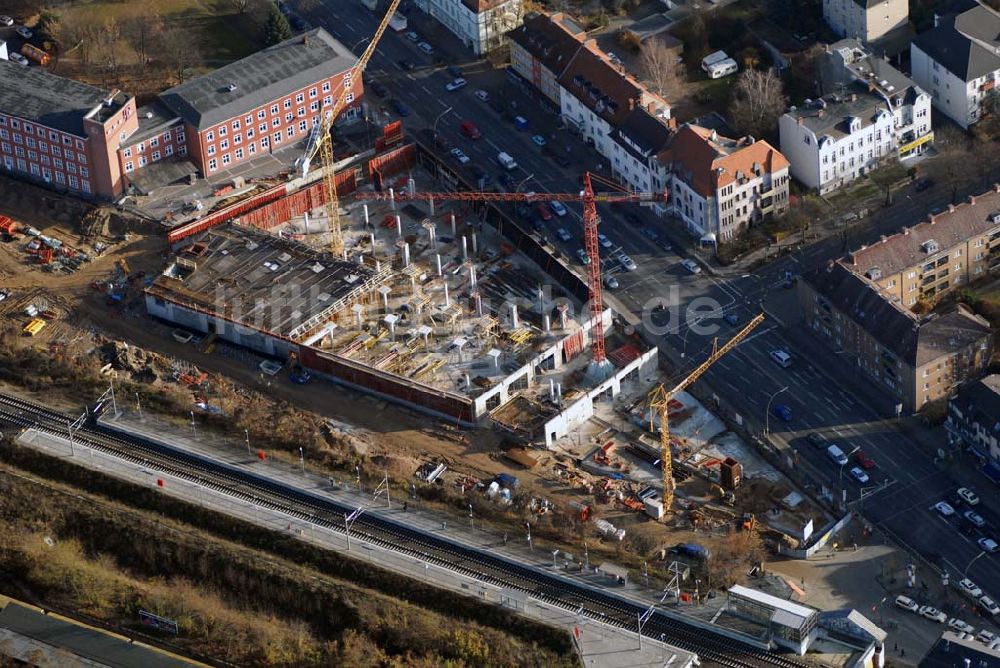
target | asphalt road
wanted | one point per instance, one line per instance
(822, 390)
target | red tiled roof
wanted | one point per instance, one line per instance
(713, 161)
(600, 84)
(483, 5)
(549, 40)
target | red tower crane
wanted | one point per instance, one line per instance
(590, 223)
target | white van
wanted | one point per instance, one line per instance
(719, 64)
(506, 161)
(837, 455)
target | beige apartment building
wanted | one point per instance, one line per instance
(866, 20)
(912, 359)
(947, 251)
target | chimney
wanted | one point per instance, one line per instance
(996, 187)
(631, 104)
(819, 113)
(871, 87)
(906, 230)
(884, 238)
(854, 97)
(305, 40)
(932, 219)
(972, 199)
(800, 120)
(951, 208)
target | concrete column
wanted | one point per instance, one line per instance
(472, 276)
(454, 229)
(546, 323)
(514, 322)
(406, 255)
(399, 226)
(371, 238)
(305, 223)
(475, 248)
(437, 260)
(562, 316)
(411, 185)
(358, 310)
(478, 299)
(465, 249)
(367, 220)
(392, 199)
(431, 200)
(447, 299)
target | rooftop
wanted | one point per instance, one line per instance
(259, 78)
(964, 43)
(831, 114)
(606, 88)
(711, 161)
(912, 247)
(787, 613)
(552, 39)
(261, 281)
(641, 134)
(35, 95)
(915, 340)
(981, 398)
(154, 118)
(856, 63)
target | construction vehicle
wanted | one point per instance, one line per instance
(122, 264)
(34, 326)
(726, 497)
(659, 406)
(320, 140)
(590, 223)
(32, 52)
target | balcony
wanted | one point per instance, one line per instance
(988, 86)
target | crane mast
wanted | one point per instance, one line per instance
(659, 401)
(324, 142)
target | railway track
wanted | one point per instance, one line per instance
(483, 566)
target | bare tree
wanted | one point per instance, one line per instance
(241, 6)
(954, 159)
(660, 66)
(81, 35)
(179, 54)
(758, 101)
(143, 30)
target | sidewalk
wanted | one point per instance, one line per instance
(601, 644)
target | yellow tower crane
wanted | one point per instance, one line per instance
(320, 140)
(659, 400)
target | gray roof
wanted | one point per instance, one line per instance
(644, 131)
(830, 114)
(32, 93)
(852, 622)
(913, 340)
(154, 118)
(785, 612)
(951, 651)
(952, 43)
(82, 641)
(979, 401)
(259, 78)
(849, 60)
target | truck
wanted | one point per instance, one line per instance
(398, 22)
(34, 53)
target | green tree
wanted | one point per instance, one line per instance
(276, 28)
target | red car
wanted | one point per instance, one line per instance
(544, 212)
(864, 461)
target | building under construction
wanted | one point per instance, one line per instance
(438, 313)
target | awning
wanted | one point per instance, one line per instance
(906, 148)
(992, 471)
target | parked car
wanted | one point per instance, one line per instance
(18, 58)
(627, 263)
(405, 65)
(563, 234)
(482, 95)
(692, 550)
(975, 518)
(968, 496)
(732, 318)
(817, 440)
(558, 208)
(782, 411)
(581, 254)
(6, 21)
(426, 48)
(610, 282)
(460, 156)
(859, 475)
(412, 36)
(960, 626)
(24, 32)
(650, 233)
(836, 455)
(691, 266)
(538, 140)
(401, 108)
(664, 245)
(604, 241)
(454, 70)
(781, 358)
(863, 460)
(545, 213)
(986, 637)
(269, 367)
(944, 508)
(932, 613)
(906, 603)
(969, 587)
(988, 604)
(924, 184)
(456, 84)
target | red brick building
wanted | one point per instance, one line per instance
(76, 137)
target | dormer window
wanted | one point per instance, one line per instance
(930, 247)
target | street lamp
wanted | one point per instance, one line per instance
(847, 457)
(966, 571)
(359, 43)
(767, 411)
(436, 120)
(302, 460)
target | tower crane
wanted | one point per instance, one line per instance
(590, 223)
(320, 139)
(659, 400)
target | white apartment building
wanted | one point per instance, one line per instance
(597, 95)
(481, 25)
(635, 145)
(836, 139)
(719, 185)
(958, 61)
(867, 20)
(847, 61)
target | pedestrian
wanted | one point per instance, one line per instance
(902, 652)
(505, 538)
(405, 506)
(895, 647)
